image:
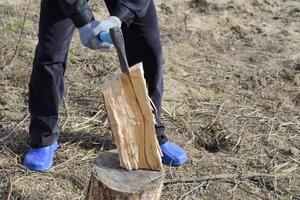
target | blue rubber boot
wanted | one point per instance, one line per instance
(172, 154)
(40, 159)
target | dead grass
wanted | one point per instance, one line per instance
(231, 100)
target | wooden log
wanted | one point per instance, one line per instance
(111, 182)
(132, 121)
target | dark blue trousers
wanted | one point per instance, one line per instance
(46, 87)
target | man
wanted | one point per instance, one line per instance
(58, 19)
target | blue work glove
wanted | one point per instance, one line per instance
(109, 23)
(89, 33)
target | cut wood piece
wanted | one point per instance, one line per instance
(110, 181)
(132, 121)
(151, 146)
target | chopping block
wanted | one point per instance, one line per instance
(134, 171)
(110, 181)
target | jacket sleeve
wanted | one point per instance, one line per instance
(77, 10)
(127, 10)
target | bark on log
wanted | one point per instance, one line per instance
(131, 119)
(111, 182)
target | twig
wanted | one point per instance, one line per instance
(217, 177)
(293, 159)
(251, 193)
(82, 65)
(240, 137)
(82, 127)
(67, 112)
(275, 116)
(16, 127)
(219, 112)
(209, 112)
(237, 144)
(199, 186)
(10, 187)
(63, 163)
(191, 132)
(154, 109)
(87, 121)
(185, 19)
(166, 111)
(20, 36)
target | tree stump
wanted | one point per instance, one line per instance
(109, 181)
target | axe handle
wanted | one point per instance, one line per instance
(105, 37)
(118, 41)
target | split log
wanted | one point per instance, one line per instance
(110, 181)
(132, 121)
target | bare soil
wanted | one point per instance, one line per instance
(232, 100)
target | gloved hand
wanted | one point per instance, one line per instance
(109, 23)
(89, 33)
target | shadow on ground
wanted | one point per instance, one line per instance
(88, 140)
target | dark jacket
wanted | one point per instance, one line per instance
(79, 12)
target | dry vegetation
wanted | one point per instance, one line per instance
(232, 100)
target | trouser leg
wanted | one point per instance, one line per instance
(142, 42)
(47, 79)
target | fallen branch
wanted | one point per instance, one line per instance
(217, 177)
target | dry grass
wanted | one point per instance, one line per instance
(232, 93)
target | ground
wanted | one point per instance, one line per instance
(232, 100)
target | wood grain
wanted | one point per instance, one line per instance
(131, 119)
(110, 181)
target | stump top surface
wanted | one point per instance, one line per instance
(108, 171)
